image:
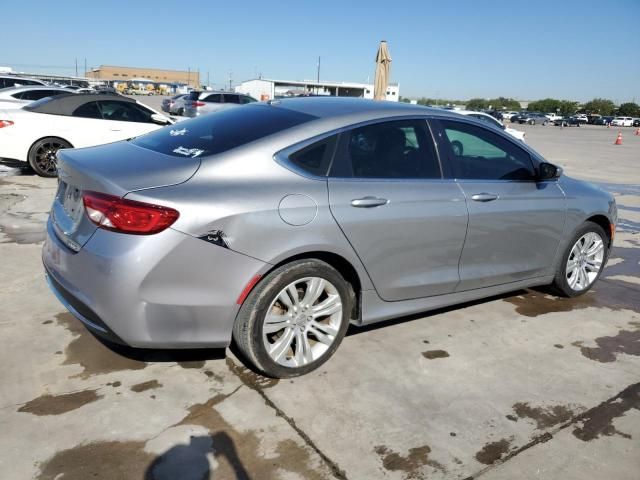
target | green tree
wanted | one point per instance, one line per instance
(502, 103)
(405, 99)
(552, 105)
(477, 104)
(629, 109)
(601, 106)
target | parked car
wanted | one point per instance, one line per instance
(533, 118)
(591, 118)
(10, 81)
(507, 115)
(571, 121)
(582, 118)
(37, 131)
(636, 122)
(174, 104)
(72, 87)
(603, 121)
(622, 122)
(18, 97)
(516, 118)
(160, 241)
(490, 120)
(553, 116)
(198, 103)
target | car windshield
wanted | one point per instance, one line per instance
(221, 131)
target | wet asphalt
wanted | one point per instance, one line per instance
(525, 385)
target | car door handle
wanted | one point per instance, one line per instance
(484, 197)
(368, 202)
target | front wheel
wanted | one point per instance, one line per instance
(582, 262)
(42, 155)
(532, 122)
(294, 319)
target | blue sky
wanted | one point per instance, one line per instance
(574, 49)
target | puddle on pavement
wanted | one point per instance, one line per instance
(598, 421)
(411, 464)
(20, 227)
(250, 378)
(59, 404)
(99, 461)
(493, 451)
(608, 348)
(544, 417)
(432, 354)
(144, 386)
(94, 357)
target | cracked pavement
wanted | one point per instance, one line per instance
(524, 385)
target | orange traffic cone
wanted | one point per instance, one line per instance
(638, 132)
(619, 139)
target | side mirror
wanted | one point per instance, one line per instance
(548, 171)
(160, 119)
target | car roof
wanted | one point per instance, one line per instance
(66, 104)
(331, 107)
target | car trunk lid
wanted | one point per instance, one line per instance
(115, 169)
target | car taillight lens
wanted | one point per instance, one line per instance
(5, 123)
(127, 216)
(197, 104)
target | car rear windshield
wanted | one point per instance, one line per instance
(221, 131)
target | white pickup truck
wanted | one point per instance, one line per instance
(553, 116)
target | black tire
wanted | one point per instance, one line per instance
(180, 112)
(532, 122)
(247, 330)
(560, 286)
(544, 124)
(42, 155)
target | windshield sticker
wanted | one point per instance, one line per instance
(175, 133)
(189, 152)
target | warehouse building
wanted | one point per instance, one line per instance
(265, 89)
(114, 73)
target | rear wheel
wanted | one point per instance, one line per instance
(532, 122)
(42, 155)
(294, 319)
(582, 262)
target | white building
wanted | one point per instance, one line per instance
(265, 89)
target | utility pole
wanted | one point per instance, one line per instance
(230, 80)
(188, 76)
(208, 83)
(76, 66)
(318, 76)
(85, 67)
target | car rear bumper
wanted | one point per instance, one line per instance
(168, 290)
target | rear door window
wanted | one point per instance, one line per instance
(213, 98)
(245, 99)
(123, 111)
(88, 110)
(230, 98)
(397, 149)
(228, 129)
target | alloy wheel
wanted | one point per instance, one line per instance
(585, 261)
(302, 322)
(45, 156)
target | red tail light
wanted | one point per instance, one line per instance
(197, 104)
(5, 123)
(127, 216)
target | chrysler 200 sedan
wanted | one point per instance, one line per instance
(277, 224)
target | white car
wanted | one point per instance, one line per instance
(36, 132)
(486, 118)
(18, 97)
(507, 115)
(10, 81)
(622, 122)
(553, 116)
(582, 118)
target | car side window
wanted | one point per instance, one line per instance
(88, 110)
(38, 94)
(244, 99)
(315, 158)
(230, 98)
(487, 120)
(397, 149)
(215, 98)
(123, 111)
(479, 154)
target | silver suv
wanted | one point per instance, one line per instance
(199, 103)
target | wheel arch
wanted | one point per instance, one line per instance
(604, 222)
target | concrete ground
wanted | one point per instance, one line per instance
(524, 386)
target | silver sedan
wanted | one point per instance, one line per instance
(279, 224)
